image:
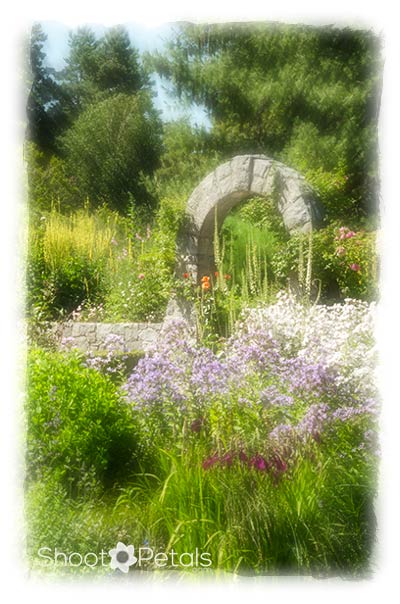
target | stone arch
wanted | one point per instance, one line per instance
(242, 177)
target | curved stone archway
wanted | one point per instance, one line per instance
(242, 177)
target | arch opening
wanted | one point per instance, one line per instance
(230, 184)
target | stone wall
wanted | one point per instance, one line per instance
(92, 336)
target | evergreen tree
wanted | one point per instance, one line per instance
(45, 113)
(118, 67)
(305, 95)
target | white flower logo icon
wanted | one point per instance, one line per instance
(122, 557)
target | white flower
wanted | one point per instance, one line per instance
(122, 557)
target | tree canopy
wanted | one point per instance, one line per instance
(111, 147)
(306, 95)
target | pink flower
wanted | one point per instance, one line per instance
(210, 461)
(350, 234)
(141, 276)
(243, 456)
(355, 267)
(258, 462)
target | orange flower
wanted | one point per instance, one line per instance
(186, 275)
(227, 277)
(205, 279)
(216, 274)
(206, 285)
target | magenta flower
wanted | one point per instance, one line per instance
(258, 462)
(227, 459)
(210, 461)
(355, 267)
(280, 465)
(243, 457)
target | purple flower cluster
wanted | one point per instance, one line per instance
(157, 379)
(177, 372)
(272, 396)
(315, 422)
(301, 377)
(209, 375)
(256, 372)
(112, 361)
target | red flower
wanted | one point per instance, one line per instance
(186, 275)
(355, 267)
(210, 461)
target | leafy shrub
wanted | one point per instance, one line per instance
(253, 230)
(67, 260)
(111, 146)
(344, 262)
(49, 182)
(101, 265)
(78, 427)
(140, 281)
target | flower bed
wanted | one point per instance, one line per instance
(261, 453)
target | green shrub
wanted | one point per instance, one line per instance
(49, 182)
(101, 265)
(111, 146)
(79, 429)
(140, 282)
(341, 267)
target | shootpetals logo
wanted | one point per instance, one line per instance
(122, 557)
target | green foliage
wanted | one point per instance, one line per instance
(341, 268)
(316, 518)
(141, 281)
(188, 156)
(49, 183)
(79, 429)
(251, 234)
(284, 90)
(110, 148)
(45, 108)
(101, 266)
(98, 68)
(67, 261)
